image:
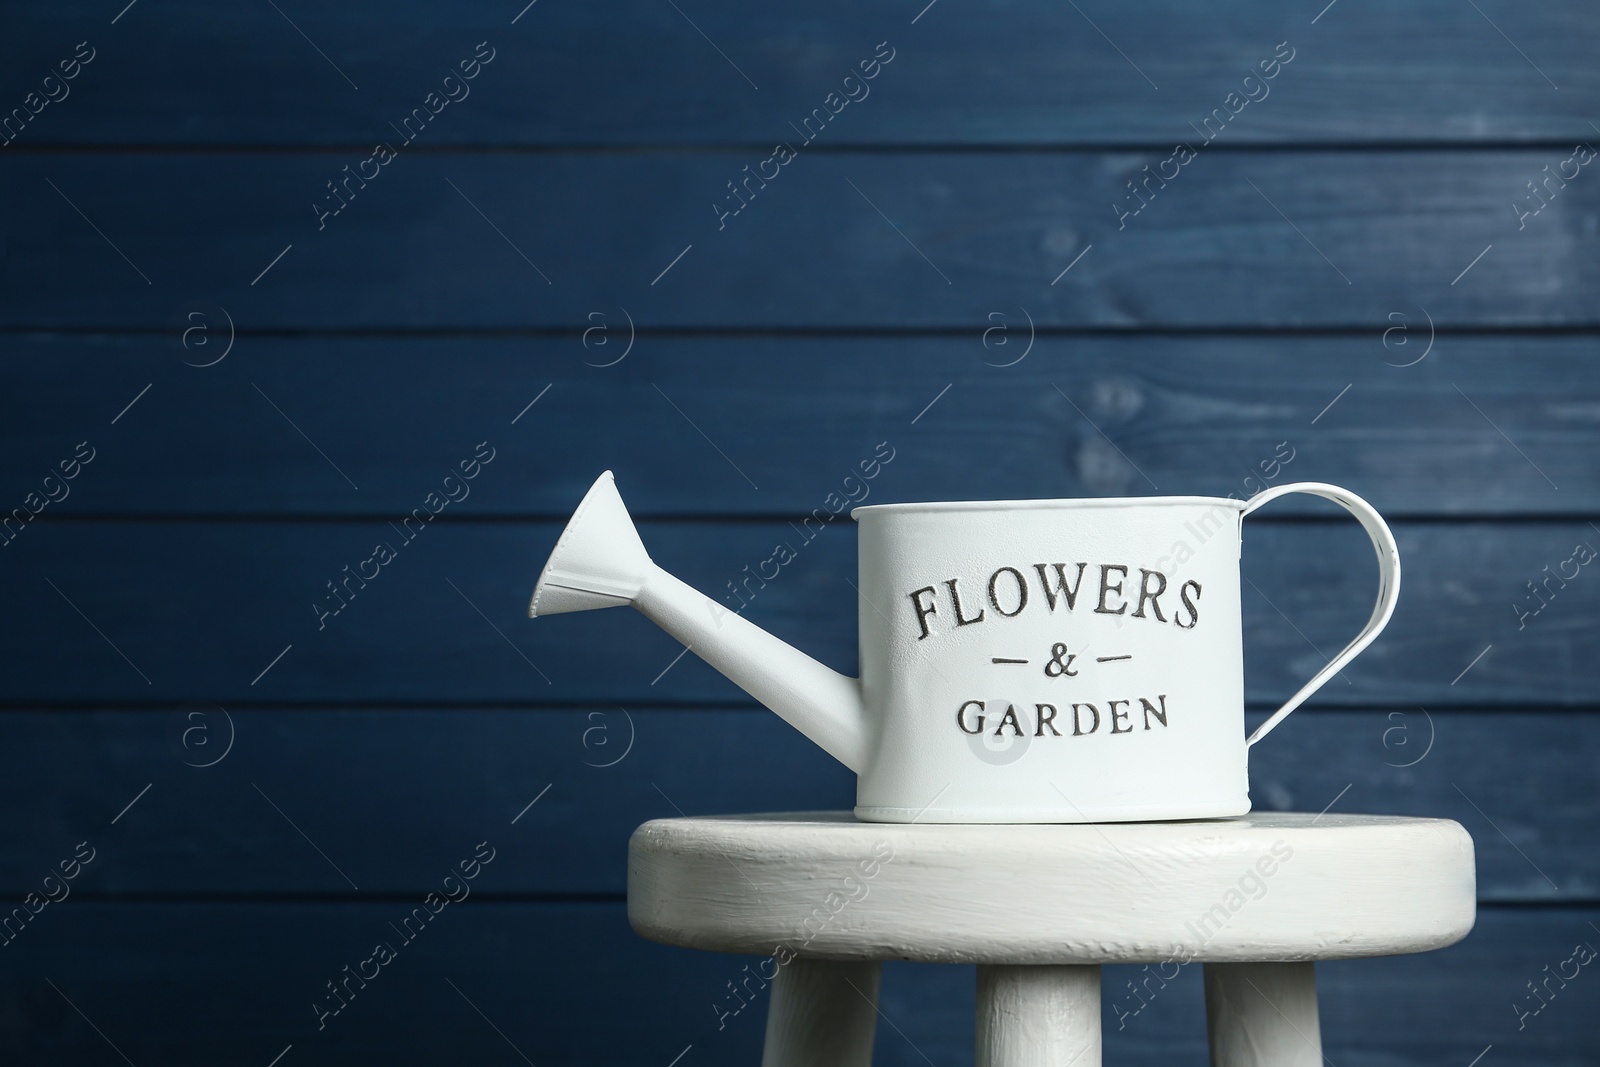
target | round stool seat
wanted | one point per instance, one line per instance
(1263, 887)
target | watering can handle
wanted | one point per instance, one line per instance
(1388, 585)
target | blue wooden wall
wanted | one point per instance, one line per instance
(243, 342)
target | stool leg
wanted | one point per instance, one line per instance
(823, 1014)
(1038, 1016)
(1263, 1015)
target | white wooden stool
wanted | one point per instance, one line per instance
(1039, 907)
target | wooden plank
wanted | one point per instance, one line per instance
(1180, 414)
(386, 795)
(881, 240)
(983, 74)
(208, 611)
(157, 983)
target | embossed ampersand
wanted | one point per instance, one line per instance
(1060, 662)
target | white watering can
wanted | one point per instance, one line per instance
(1021, 661)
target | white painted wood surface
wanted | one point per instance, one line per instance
(823, 1014)
(1045, 1016)
(1272, 886)
(1263, 1015)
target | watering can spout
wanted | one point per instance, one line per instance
(599, 562)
